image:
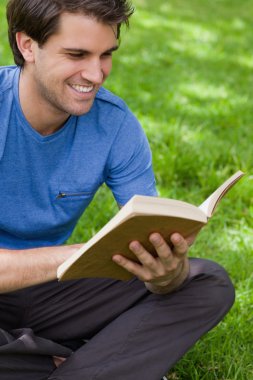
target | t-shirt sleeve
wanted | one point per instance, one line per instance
(129, 168)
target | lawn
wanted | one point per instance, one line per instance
(185, 68)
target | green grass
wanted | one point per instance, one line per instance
(186, 70)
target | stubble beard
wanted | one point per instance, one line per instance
(62, 105)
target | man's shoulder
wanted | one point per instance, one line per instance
(109, 99)
(7, 74)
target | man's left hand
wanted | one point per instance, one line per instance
(162, 273)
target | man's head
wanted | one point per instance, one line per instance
(65, 50)
(39, 19)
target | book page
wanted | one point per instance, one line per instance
(209, 205)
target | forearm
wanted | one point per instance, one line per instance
(22, 268)
(172, 284)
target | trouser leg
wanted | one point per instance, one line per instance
(23, 356)
(150, 337)
(133, 333)
(25, 367)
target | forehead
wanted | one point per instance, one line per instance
(82, 29)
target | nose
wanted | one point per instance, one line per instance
(93, 72)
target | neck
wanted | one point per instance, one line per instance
(37, 112)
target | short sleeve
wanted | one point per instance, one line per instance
(129, 167)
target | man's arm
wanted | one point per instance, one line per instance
(22, 268)
(163, 273)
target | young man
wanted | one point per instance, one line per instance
(62, 135)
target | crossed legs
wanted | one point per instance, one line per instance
(131, 333)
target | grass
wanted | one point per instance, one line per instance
(186, 70)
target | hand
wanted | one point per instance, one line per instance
(164, 272)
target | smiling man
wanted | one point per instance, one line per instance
(65, 75)
(62, 135)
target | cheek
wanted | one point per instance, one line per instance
(107, 67)
(58, 70)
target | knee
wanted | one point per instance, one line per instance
(216, 285)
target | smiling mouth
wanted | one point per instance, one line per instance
(82, 89)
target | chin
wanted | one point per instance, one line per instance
(79, 111)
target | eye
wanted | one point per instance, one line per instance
(107, 54)
(76, 55)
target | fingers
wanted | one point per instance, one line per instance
(146, 260)
(149, 267)
(180, 245)
(131, 266)
(168, 262)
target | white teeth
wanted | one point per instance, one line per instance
(82, 89)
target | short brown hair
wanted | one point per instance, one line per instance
(39, 19)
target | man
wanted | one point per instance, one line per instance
(62, 135)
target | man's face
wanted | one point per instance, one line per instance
(71, 66)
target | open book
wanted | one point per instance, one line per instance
(141, 216)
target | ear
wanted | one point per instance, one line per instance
(26, 46)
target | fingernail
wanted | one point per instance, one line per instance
(154, 238)
(177, 238)
(134, 245)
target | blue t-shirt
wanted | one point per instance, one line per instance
(46, 182)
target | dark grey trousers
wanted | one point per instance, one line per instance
(132, 334)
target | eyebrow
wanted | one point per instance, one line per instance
(82, 51)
